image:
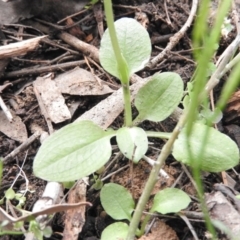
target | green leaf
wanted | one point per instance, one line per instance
(115, 231)
(132, 142)
(35, 229)
(134, 43)
(21, 200)
(158, 98)
(170, 200)
(73, 152)
(221, 152)
(68, 185)
(97, 185)
(10, 194)
(117, 201)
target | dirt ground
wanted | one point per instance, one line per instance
(18, 74)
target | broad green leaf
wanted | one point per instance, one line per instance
(134, 43)
(132, 142)
(158, 98)
(73, 152)
(115, 231)
(221, 152)
(117, 201)
(170, 200)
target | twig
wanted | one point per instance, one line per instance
(117, 157)
(41, 70)
(6, 110)
(166, 11)
(152, 162)
(175, 39)
(175, 53)
(112, 173)
(223, 65)
(67, 26)
(189, 176)
(85, 48)
(178, 179)
(19, 48)
(185, 219)
(21, 147)
(72, 15)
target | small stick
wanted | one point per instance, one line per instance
(152, 162)
(185, 219)
(19, 48)
(22, 147)
(175, 39)
(41, 70)
(166, 11)
(6, 110)
(222, 65)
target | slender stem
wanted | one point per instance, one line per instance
(163, 135)
(121, 62)
(166, 151)
(144, 223)
(112, 31)
(127, 105)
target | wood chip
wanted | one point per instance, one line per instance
(81, 82)
(222, 210)
(75, 218)
(19, 48)
(15, 130)
(53, 100)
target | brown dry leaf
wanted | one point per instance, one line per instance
(105, 112)
(81, 82)
(232, 111)
(15, 130)
(53, 100)
(160, 231)
(222, 210)
(75, 218)
(234, 102)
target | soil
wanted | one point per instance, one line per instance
(22, 100)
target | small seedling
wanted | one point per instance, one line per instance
(81, 148)
(119, 204)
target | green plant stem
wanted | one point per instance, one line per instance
(166, 151)
(195, 166)
(199, 94)
(122, 65)
(204, 57)
(127, 105)
(144, 224)
(112, 30)
(162, 135)
(229, 87)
